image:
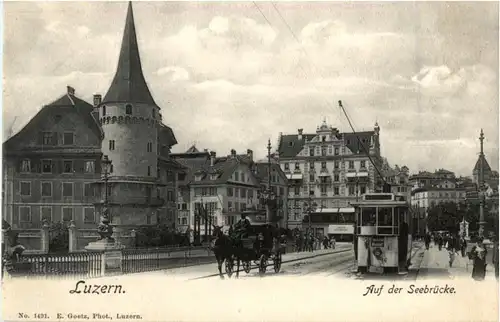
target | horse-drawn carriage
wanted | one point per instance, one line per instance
(261, 246)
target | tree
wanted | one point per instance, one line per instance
(58, 238)
(445, 216)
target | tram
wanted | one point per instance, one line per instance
(383, 233)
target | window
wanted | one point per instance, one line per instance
(368, 216)
(89, 167)
(351, 190)
(25, 188)
(68, 138)
(26, 166)
(323, 190)
(311, 151)
(149, 147)
(153, 113)
(243, 193)
(46, 189)
(67, 189)
(297, 166)
(128, 109)
(25, 214)
(311, 165)
(351, 164)
(111, 145)
(68, 167)
(311, 177)
(181, 176)
(243, 177)
(287, 166)
(47, 166)
(363, 190)
(296, 190)
(103, 110)
(88, 190)
(323, 165)
(236, 192)
(212, 191)
(336, 165)
(236, 176)
(384, 216)
(336, 151)
(149, 170)
(67, 214)
(170, 195)
(88, 215)
(229, 192)
(311, 192)
(47, 138)
(323, 139)
(46, 214)
(336, 177)
(323, 150)
(336, 191)
(363, 164)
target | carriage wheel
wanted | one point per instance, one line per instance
(277, 263)
(262, 264)
(230, 266)
(246, 266)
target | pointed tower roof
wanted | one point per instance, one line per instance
(129, 84)
(486, 166)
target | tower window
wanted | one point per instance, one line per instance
(111, 145)
(103, 110)
(149, 170)
(128, 109)
(150, 147)
(153, 113)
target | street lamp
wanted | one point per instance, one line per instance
(481, 187)
(104, 229)
(268, 196)
(310, 208)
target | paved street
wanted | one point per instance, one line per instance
(435, 265)
(324, 262)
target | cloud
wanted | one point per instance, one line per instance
(232, 81)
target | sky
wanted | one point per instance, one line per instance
(231, 75)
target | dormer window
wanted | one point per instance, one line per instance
(128, 109)
(323, 139)
(214, 176)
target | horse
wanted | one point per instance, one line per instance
(222, 248)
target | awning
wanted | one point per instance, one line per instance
(335, 210)
(295, 176)
(356, 174)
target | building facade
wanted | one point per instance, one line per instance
(326, 170)
(53, 167)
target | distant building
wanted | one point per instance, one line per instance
(326, 170)
(425, 178)
(227, 187)
(52, 167)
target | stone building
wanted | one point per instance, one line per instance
(327, 170)
(226, 187)
(52, 167)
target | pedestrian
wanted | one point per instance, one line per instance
(451, 247)
(495, 256)
(333, 242)
(463, 245)
(440, 242)
(478, 256)
(427, 240)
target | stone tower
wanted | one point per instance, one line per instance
(130, 120)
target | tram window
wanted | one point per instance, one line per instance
(385, 216)
(368, 216)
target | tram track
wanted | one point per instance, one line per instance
(254, 267)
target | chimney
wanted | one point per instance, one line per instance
(233, 153)
(97, 99)
(70, 90)
(250, 154)
(300, 133)
(212, 158)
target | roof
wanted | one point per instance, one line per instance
(64, 103)
(262, 171)
(166, 135)
(290, 145)
(192, 149)
(129, 84)
(486, 166)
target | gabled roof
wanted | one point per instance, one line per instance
(192, 149)
(290, 145)
(262, 171)
(129, 84)
(166, 135)
(67, 102)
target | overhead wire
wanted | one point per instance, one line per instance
(312, 64)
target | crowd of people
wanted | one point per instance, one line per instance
(456, 244)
